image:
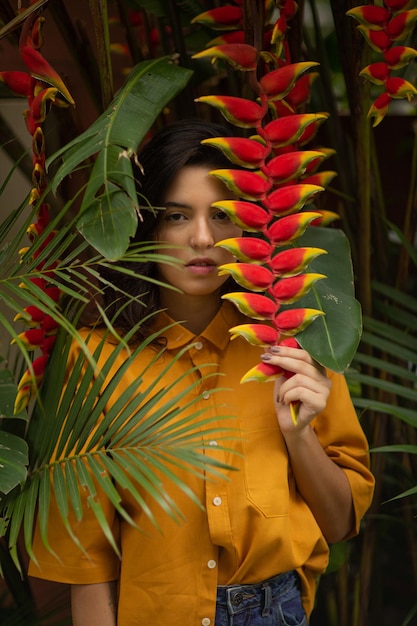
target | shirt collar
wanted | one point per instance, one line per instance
(217, 332)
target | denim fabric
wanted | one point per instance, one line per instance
(275, 602)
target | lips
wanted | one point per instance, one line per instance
(201, 263)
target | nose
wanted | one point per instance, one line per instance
(202, 234)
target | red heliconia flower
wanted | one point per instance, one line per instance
(253, 304)
(246, 215)
(397, 5)
(325, 217)
(291, 198)
(376, 73)
(240, 56)
(245, 249)
(20, 83)
(289, 228)
(41, 69)
(290, 165)
(377, 39)
(256, 334)
(289, 290)
(294, 260)
(374, 17)
(289, 342)
(321, 179)
(31, 339)
(401, 25)
(288, 130)
(399, 56)
(301, 92)
(220, 18)
(262, 373)
(275, 85)
(248, 185)
(234, 36)
(239, 111)
(397, 87)
(240, 151)
(248, 275)
(293, 321)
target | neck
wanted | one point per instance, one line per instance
(194, 312)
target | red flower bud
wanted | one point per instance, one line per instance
(248, 275)
(20, 83)
(321, 179)
(401, 24)
(256, 334)
(293, 321)
(289, 228)
(301, 92)
(376, 73)
(294, 260)
(246, 215)
(241, 151)
(287, 130)
(240, 56)
(397, 87)
(40, 68)
(220, 18)
(253, 304)
(239, 111)
(248, 185)
(276, 84)
(290, 199)
(252, 249)
(288, 290)
(262, 373)
(377, 39)
(290, 165)
(399, 56)
(371, 16)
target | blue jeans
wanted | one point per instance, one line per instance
(275, 602)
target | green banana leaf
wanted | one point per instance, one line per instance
(331, 339)
(109, 210)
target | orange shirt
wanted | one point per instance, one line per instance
(253, 523)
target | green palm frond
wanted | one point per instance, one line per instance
(387, 360)
(77, 445)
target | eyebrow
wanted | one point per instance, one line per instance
(181, 205)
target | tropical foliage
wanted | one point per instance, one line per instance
(262, 82)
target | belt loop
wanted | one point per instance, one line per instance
(267, 601)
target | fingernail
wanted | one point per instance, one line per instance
(275, 349)
(266, 356)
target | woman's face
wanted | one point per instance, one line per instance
(191, 222)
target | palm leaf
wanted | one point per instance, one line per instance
(142, 436)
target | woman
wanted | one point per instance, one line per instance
(252, 553)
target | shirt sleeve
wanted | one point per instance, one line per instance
(342, 437)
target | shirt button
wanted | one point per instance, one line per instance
(213, 443)
(205, 395)
(217, 501)
(206, 621)
(198, 345)
(211, 564)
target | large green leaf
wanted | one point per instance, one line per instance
(13, 461)
(108, 213)
(331, 339)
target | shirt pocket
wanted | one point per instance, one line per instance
(266, 471)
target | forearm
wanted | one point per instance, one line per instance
(322, 483)
(94, 605)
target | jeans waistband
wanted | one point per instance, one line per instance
(241, 597)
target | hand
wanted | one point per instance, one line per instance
(306, 384)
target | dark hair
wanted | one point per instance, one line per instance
(172, 148)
